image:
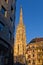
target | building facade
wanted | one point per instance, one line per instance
(34, 52)
(20, 41)
(7, 19)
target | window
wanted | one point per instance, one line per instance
(10, 35)
(33, 47)
(18, 47)
(6, 1)
(42, 63)
(33, 55)
(29, 61)
(33, 50)
(29, 47)
(11, 19)
(1, 60)
(33, 62)
(3, 11)
(39, 54)
(12, 9)
(1, 26)
(42, 49)
(39, 60)
(29, 56)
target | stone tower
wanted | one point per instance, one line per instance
(20, 41)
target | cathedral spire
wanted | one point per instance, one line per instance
(21, 16)
(20, 41)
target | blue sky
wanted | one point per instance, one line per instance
(32, 17)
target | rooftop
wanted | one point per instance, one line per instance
(36, 40)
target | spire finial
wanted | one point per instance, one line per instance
(21, 17)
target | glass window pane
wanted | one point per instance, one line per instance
(1, 26)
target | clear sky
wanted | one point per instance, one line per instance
(32, 17)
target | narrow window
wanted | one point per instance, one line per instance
(42, 49)
(29, 61)
(29, 56)
(3, 10)
(1, 26)
(33, 55)
(12, 9)
(33, 50)
(39, 60)
(33, 62)
(33, 47)
(11, 19)
(18, 47)
(10, 35)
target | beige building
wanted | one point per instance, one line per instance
(34, 53)
(20, 41)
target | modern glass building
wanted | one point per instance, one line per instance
(7, 20)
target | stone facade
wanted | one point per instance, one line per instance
(34, 52)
